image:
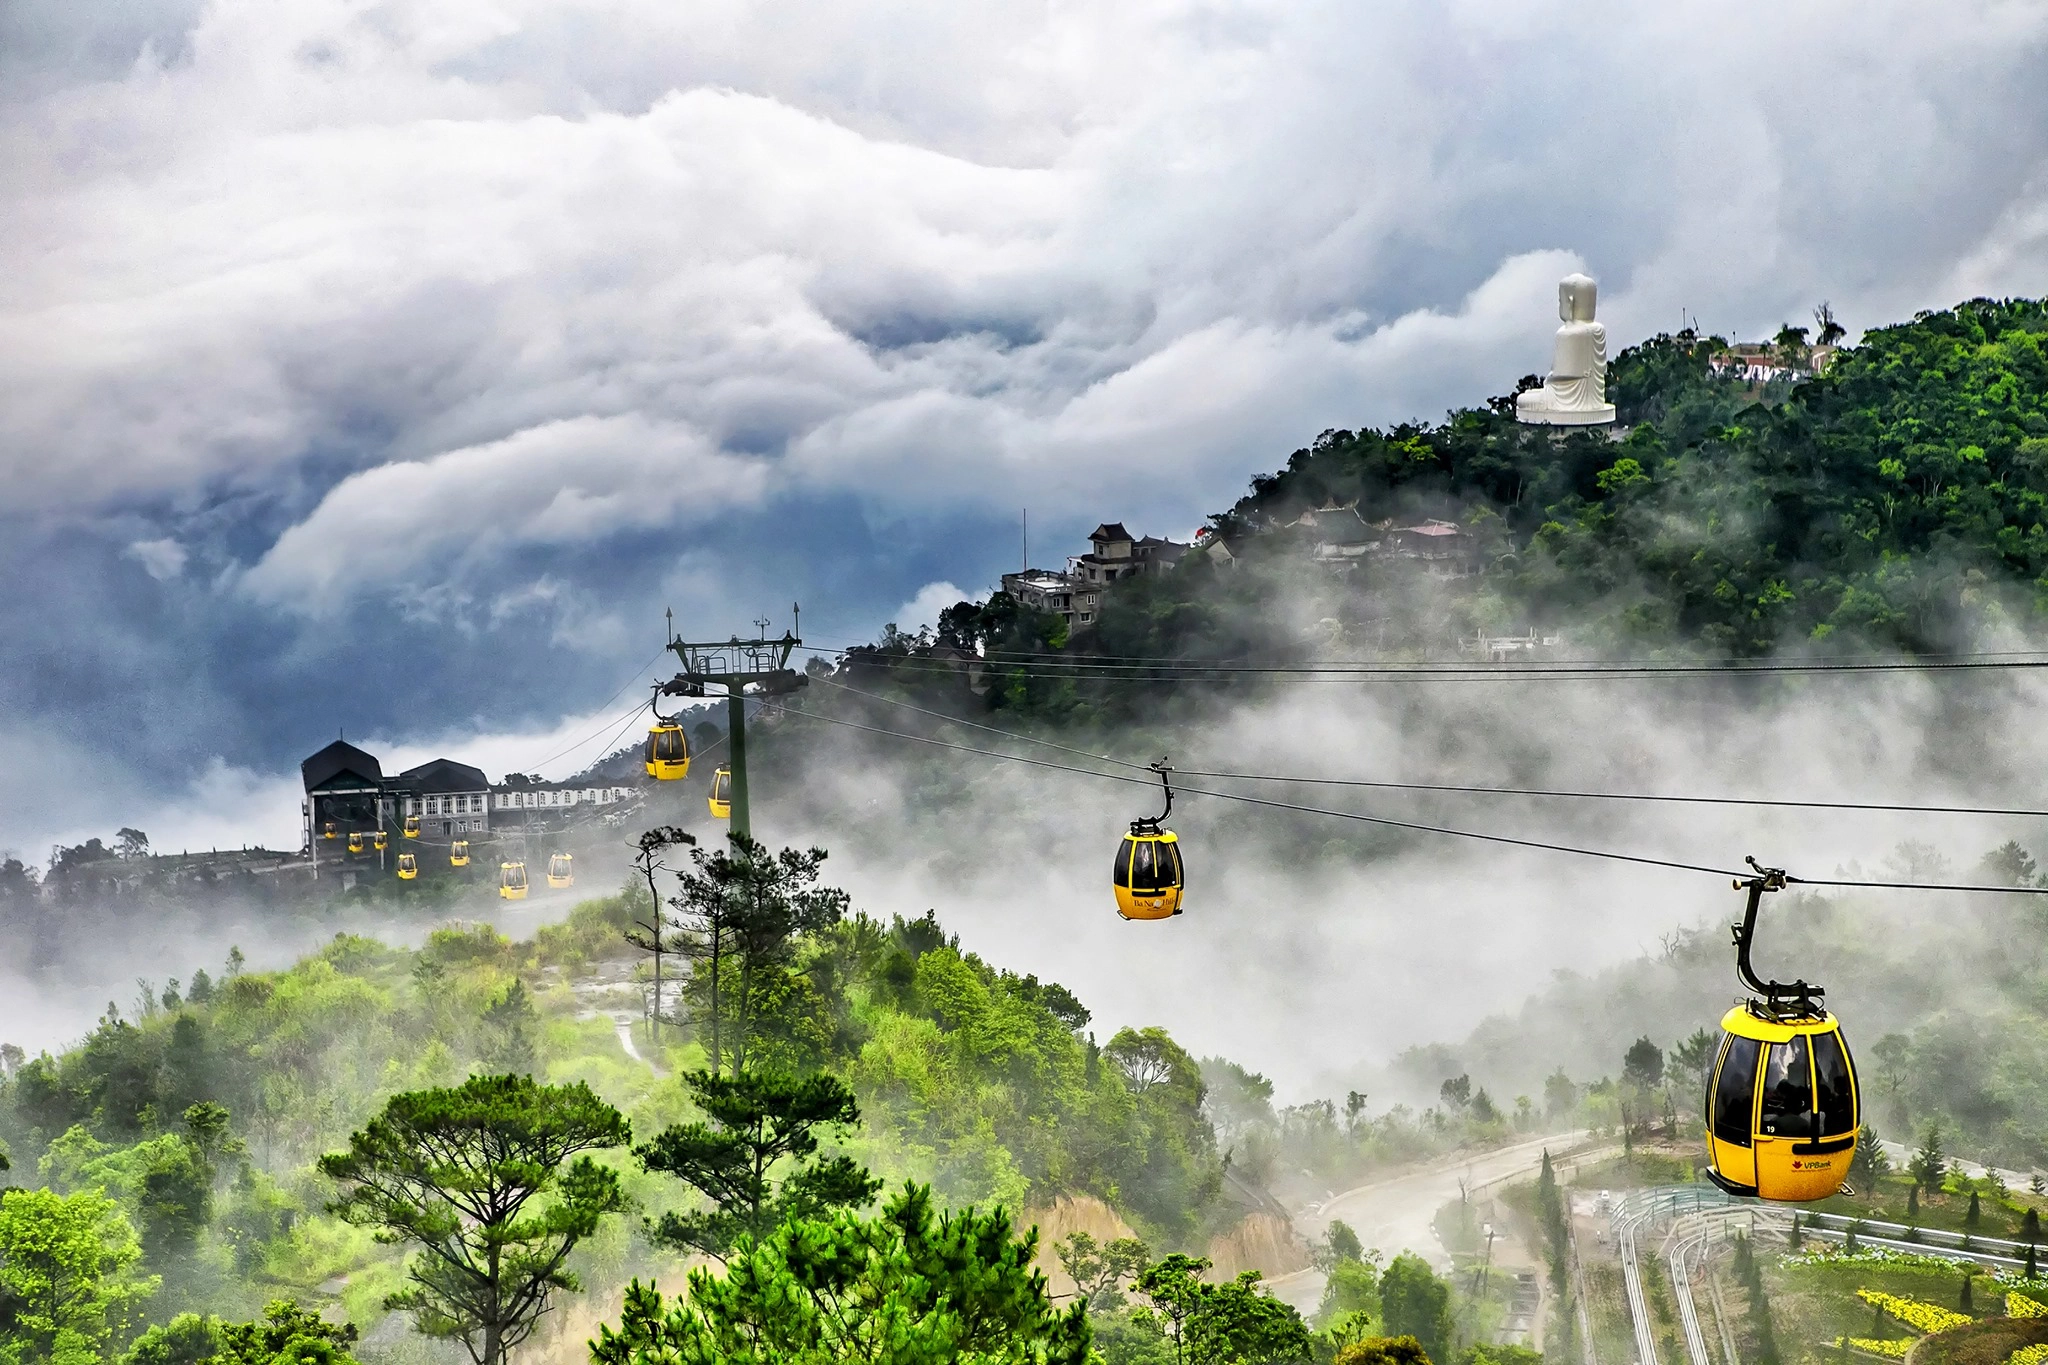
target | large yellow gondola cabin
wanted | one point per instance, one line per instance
(412, 827)
(512, 881)
(380, 841)
(561, 871)
(668, 752)
(330, 830)
(355, 841)
(720, 799)
(458, 853)
(1783, 1110)
(408, 867)
(1149, 876)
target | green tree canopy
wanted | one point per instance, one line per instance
(742, 909)
(286, 1334)
(1383, 1351)
(493, 1182)
(1233, 1323)
(67, 1282)
(1928, 1163)
(1100, 1270)
(1417, 1304)
(757, 1121)
(909, 1287)
(1642, 1066)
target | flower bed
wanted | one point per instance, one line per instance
(1921, 1317)
(1884, 1256)
(1892, 1350)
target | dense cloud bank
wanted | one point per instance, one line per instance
(392, 367)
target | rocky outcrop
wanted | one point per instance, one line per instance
(1067, 1215)
(1263, 1241)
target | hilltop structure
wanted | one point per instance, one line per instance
(1575, 394)
(1075, 594)
(347, 793)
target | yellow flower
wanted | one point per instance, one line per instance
(2020, 1306)
(1896, 1350)
(2029, 1355)
(1922, 1317)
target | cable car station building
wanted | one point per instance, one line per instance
(347, 794)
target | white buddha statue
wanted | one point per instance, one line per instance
(1575, 394)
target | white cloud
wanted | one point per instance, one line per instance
(162, 560)
(558, 483)
(922, 611)
(455, 279)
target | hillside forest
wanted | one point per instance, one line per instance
(729, 1112)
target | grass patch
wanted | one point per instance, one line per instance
(1607, 1306)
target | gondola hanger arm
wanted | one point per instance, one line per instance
(1165, 771)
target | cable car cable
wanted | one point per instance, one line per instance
(1109, 666)
(1287, 805)
(1622, 796)
(1544, 845)
(2017, 657)
(607, 702)
(1921, 886)
(1058, 671)
(1459, 788)
(619, 728)
(976, 725)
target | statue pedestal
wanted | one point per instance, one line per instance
(1540, 416)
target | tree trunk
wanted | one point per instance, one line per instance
(717, 962)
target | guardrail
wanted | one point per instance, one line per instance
(1924, 1238)
(1643, 1209)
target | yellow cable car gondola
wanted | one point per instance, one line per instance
(355, 841)
(330, 830)
(1783, 1112)
(408, 867)
(561, 871)
(458, 853)
(412, 827)
(1149, 875)
(512, 881)
(379, 840)
(668, 751)
(720, 799)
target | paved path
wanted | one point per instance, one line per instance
(1900, 1154)
(625, 1031)
(1397, 1214)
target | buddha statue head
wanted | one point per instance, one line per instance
(1576, 296)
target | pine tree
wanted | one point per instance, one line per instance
(2030, 1226)
(2033, 1269)
(1913, 1202)
(1928, 1163)
(1966, 1304)
(1794, 1241)
(1975, 1216)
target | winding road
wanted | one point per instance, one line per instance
(1399, 1213)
